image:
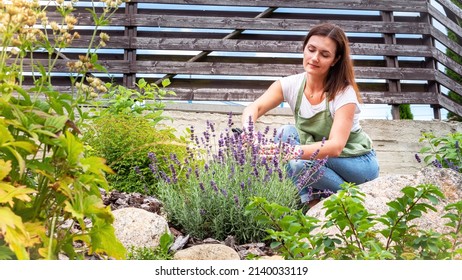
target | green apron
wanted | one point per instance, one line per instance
(317, 127)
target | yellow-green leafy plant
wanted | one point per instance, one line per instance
(48, 185)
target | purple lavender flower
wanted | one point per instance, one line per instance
(202, 212)
(214, 186)
(418, 158)
(281, 175)
(175, 159)
(201, 186)
(230, 120)
(188, 173)
(174, 175)
(224, 192)
(236, 200)
(153, 168)
(437, 164)
(164, 177)
(152, 157)
(192, 132)
(211, 126)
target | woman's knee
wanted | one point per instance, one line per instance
(287, 134)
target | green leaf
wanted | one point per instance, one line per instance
(294, 228)
(275, 244)
(165, 82)
(104, 240)
(55, 123)
(395, 205)
(5, 135)
(433, 199)
(6, 253)
(76, 212)
(74, 148)
(94, 206)
(141, 83)
(409, 191)
(165, 241)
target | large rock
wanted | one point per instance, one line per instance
(386, 188)
(139, 228)
(207, 252)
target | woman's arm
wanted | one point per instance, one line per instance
(272, 97)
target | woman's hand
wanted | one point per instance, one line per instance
(286, 151)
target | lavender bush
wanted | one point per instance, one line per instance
(206, 195)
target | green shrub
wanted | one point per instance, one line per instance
(47, 183)
(144, 100)
(161, 252)
(297, 236)
(125, 142)
(220, 176)
(442, 151)
(405, 112)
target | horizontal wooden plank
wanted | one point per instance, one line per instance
(112, 66)
(115, 42)
(390, 50)
(389, 5)
(229, 45)
(212, 68)
(240, 69)
(371, 97)
(276, 24)
(85, 19)
(394, 73)
(233, 94)
(248, 95)
(238, 45)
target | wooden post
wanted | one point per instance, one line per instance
(129, 78)
(391, 61)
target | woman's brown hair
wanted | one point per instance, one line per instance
(342, 73)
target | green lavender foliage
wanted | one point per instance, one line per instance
(206, 195)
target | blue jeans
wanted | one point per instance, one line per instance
(332, 174)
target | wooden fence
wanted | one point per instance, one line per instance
(233, 50)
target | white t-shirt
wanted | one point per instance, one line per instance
(291, 85)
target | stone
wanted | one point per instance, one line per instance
(207, 252)
(138, 228)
